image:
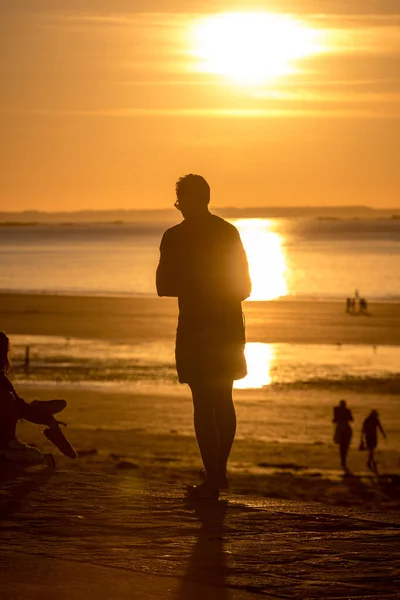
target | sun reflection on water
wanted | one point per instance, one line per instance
(266, 256)
(259, 358)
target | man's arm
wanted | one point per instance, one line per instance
(28, 411)
(239, 271)
(166, 275)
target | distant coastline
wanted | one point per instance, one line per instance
(11, 224)
(119, 217)
(60, 223)
(19, 223)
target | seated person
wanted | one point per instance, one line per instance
(13, 408)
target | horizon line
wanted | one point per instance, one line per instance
(217, 207)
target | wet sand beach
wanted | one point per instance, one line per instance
(140, 319)
(149, 436)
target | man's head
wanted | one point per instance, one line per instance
(193, 195)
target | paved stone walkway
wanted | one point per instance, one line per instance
(79, 535)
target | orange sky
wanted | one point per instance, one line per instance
(103, 106)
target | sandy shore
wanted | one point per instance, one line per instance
(150, 437)
(147, 319)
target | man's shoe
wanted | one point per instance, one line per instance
(223, 481)
(204, 491)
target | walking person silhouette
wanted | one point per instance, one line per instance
(342, 416)
(370, 433)
(204, 265)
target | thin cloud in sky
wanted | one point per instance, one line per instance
(155, 55)
(104, 7)
(227, 113)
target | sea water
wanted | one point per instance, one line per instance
(297, 258)
(288, 258)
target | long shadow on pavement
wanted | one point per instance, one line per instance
(206, 575)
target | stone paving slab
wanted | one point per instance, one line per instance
(77, 533)
(42, 578)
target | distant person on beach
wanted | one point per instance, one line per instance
(204, 265)
(353, 303)
(350, 305)
(13, 408)
(342, 417)
(363, 306)
(370, 435)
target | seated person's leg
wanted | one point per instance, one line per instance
(17, 451)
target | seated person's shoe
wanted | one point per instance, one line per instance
(56, 437)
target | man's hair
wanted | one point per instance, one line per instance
(193, 186)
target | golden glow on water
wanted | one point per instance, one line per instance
(252, 48)
(259, 358)
(266, 256)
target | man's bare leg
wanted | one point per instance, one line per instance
(225, 417)
(215, 427)
(205, 427)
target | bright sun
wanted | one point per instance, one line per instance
(252, 48)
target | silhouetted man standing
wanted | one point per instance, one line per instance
(204, 265)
